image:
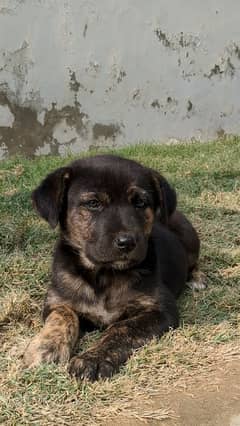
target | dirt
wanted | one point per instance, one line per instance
(212, 400)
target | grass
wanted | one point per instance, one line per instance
(207, 179)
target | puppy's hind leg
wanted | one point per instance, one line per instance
(186, 233)
(197, 280)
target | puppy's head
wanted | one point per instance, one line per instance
(106, 207)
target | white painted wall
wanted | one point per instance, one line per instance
(131, 71)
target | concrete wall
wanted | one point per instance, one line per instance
(76, 74)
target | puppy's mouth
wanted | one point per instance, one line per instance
(123, 263)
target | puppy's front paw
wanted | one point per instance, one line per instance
(46, 349)
(91, 366)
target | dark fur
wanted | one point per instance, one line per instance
(123, 257)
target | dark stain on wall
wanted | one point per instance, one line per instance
(162, 37)
(216, 70)
(73, 84)
(227, 64)
(85, 30)
(106, 131)
(236, 50)
(121, 76)
(27, 134)
(189, 106)
(177, 41)
(230, 68)
(227, 69)
(155, 104)
(221, 134)
(167, 106)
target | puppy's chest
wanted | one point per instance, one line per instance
(106, 305)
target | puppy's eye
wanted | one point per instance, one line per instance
(138, 202)
(93, 204)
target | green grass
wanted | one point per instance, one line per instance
(207, 179)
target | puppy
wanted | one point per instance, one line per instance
(123, 257)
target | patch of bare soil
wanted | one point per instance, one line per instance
(210, 400)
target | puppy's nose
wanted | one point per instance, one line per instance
(125, 242)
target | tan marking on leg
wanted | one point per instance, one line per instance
(56, 340)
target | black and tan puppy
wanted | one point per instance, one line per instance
(123, 256)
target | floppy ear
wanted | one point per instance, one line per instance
(166, 198)
(48, 196)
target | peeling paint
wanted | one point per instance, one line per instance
(117, 75)
(6, 117)
(216, 70)
(18, 62)
(43, 150)
(177, 41)
(27, 135)
(226, 68)
(64, 134)
(165, 106)
(6, 11)
(162, 37)
(73, 84)
(155, 104)
(121, 76)
(227, 65)
(93, 68)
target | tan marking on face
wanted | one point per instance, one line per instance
(86, 262)
(104, 198)
(132, 189)
(101, 196)
(149, 219)
(80, 227)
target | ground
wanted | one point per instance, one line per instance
(191, 376)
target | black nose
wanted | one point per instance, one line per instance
(125, 242)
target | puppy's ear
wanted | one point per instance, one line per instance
(166, 198)
(49, 195)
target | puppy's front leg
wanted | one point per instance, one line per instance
(56, 340)
(118, 342)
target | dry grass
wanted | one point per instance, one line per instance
(207, 179)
